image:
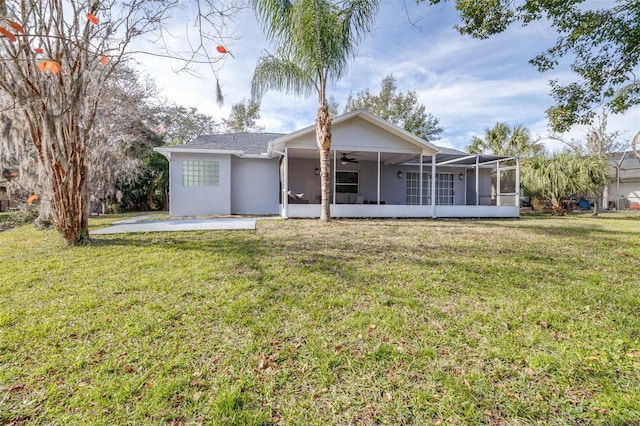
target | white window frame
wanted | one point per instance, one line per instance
(445, 184)
(342, 184)
(444, 188)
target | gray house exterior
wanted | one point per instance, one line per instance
(377, 170)
(624, 181)
(247, 179)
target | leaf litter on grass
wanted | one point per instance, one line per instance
(398, 322)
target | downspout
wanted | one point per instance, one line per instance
(433, 186)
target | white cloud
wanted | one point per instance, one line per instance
(468, 84)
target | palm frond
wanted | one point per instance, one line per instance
(320, 36)
(503, 139)
(357, 18)
(476, 146)
(275, 18)
(564, 174)
(281, 74)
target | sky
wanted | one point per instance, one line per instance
(468, 84)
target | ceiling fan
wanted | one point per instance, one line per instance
(344, 159)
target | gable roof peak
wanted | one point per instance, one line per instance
(372, 119)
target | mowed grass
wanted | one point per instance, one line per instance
(506, 322)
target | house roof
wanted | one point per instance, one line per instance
(279, 143)
(247, 144)
(241, 144)
(450, 151)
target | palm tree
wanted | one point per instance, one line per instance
(562, 175)
(503, 139)
(315, 39)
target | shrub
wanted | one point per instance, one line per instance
(24, 215)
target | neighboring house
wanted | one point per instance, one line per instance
(624, 181)
(376, 170)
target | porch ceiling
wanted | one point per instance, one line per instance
(385, 157)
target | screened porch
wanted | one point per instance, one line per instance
(387, 184)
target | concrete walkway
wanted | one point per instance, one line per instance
(139, 224)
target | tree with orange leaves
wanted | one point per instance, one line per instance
(55, 58)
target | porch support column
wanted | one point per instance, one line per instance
(285, 184)
(617, 188)
(333, 179)
(433, 186)
(477, 180)
(498, 183)
(618, 181)
(378, 177)
(420, 178)
(465, 185)
(518, 182)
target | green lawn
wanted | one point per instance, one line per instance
(530, 321)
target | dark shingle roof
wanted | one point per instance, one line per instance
(249, 143)
(257, 143)
(452, 151)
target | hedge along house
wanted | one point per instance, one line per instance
(377, 170)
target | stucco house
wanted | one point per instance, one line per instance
(377, 170)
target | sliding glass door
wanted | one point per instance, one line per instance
(444, 188)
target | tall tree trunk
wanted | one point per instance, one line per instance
(596, 202)
(61, 149)
(556, 207)
(323, 138)
(45, 214)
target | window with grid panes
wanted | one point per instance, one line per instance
(413, 188)
(200, 173)
(444, 188)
